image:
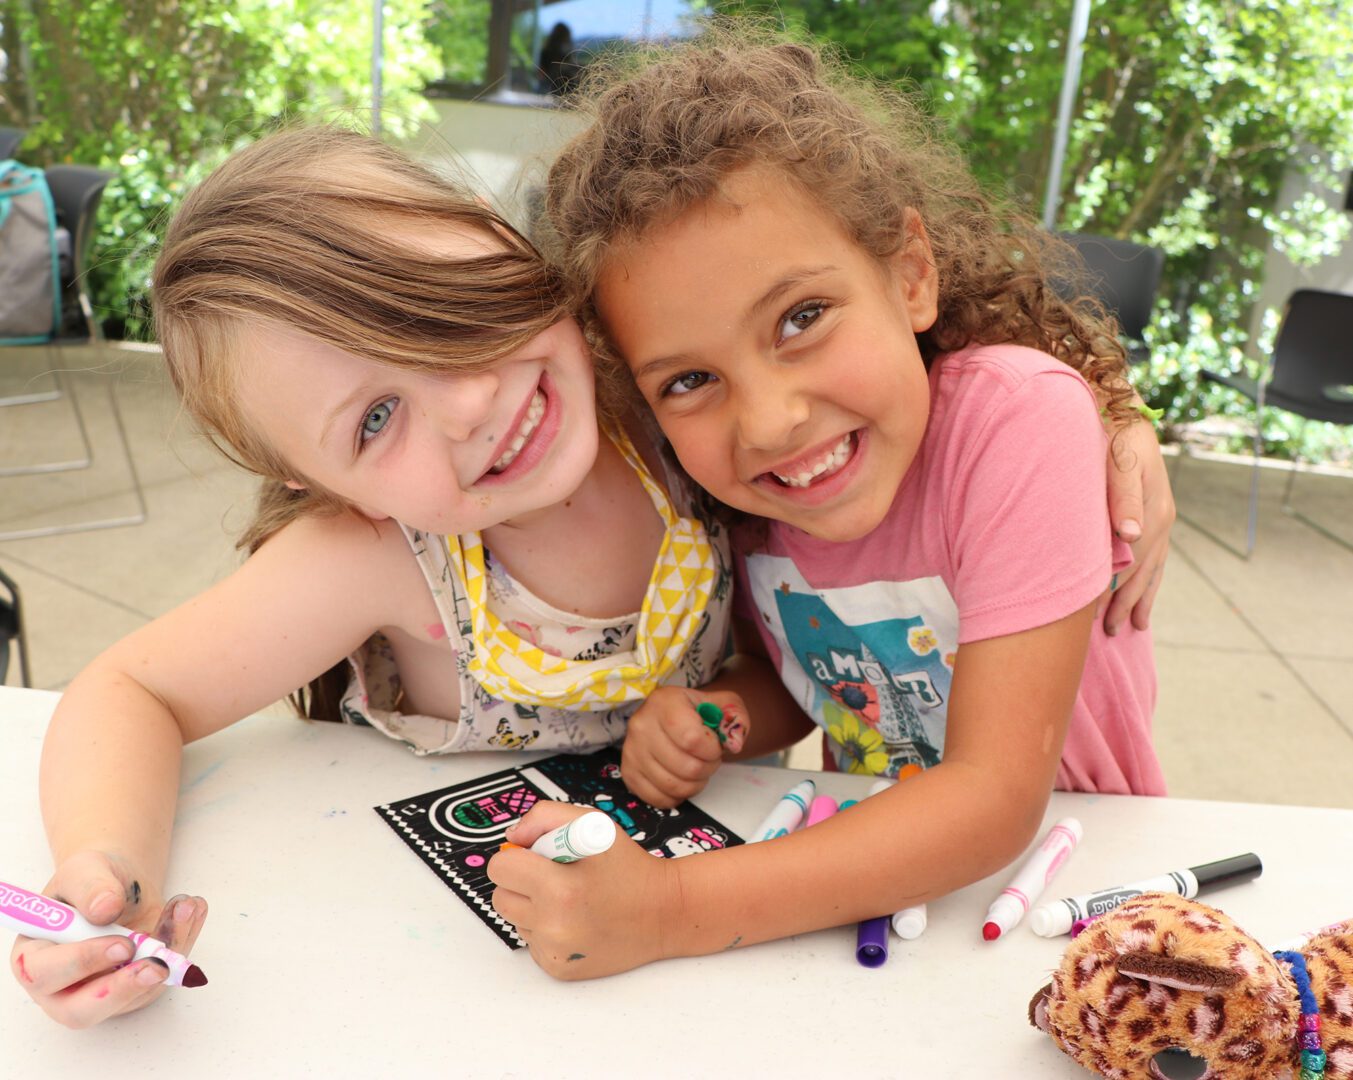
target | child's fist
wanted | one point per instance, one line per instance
(671, 749)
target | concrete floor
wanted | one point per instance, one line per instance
(1255, 657)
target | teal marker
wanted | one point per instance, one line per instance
(785, 815)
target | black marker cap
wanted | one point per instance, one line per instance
(1230, 871)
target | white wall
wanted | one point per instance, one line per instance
(1282, 277)
(497, 143)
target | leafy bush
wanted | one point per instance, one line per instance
(158, 91)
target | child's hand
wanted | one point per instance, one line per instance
(84, 983)
(596, 916)
(1141, 509)
(670, 753)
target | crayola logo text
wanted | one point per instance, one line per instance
(33, 909)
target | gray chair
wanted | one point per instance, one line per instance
(1124, 277)
(10, 138)
(1310, 374)
(76, 192)
(12, 631)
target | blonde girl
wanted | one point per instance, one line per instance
(441, 504)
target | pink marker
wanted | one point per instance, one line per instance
(820, 809)
(1032, 878)
(37, 916)
(1296, 944)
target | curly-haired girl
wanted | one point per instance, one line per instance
(840, 336)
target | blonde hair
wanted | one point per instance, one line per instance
(308, 228)
(670, 123)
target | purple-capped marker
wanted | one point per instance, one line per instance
(871, 941)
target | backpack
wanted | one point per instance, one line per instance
(30, 273)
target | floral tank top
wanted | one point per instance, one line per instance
(487, 722)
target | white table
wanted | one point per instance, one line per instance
(334, 952)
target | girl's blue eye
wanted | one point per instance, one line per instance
(373, 423)
(800, 318)
(684, 384)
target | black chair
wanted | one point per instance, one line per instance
(12, 630)
(76, 192)
(1310, 374)
(1121, 275)
(10, 138)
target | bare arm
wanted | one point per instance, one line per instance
(110, 762)
(965, 818)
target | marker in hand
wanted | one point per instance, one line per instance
(37, 916)
(712, 717)
(590, 834)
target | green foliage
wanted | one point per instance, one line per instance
(158, 91)
(457, 32)
(1190, 115)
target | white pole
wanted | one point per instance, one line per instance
(377, 60)
(1075, 45)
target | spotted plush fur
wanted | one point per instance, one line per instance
(1161, 971)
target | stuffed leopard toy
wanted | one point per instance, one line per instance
(1164, 987)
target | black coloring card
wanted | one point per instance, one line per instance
(457, 829)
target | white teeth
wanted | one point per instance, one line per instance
(825, 465)
(528, 426)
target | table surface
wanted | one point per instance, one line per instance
(333, 951)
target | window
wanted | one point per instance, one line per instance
(505, 48)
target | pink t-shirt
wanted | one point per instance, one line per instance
(1001, 525)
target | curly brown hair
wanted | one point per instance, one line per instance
(669, 123)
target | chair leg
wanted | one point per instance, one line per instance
(68, 391)
(21, 635)
(138, 492)
(1296, 468)
(34, 398)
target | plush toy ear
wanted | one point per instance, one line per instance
(1038, 1009)
(1177, 972)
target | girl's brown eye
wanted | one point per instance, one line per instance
(684, 384)
(800, 319)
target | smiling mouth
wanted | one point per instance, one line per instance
(817, 469)
(534, 413)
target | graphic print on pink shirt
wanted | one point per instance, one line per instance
(871, 663)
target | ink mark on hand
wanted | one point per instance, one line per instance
(735, 942)
(577, 956)
(134, 893)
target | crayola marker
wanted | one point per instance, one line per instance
(37, 916)
(786, 814)
(589, 834)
